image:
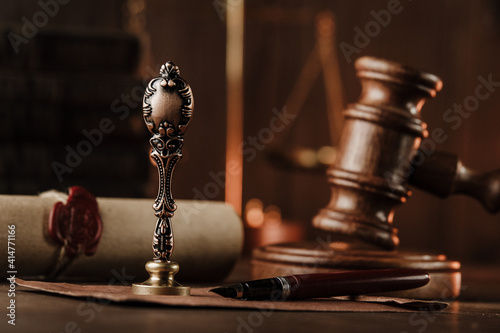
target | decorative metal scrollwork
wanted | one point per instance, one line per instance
(167, 110)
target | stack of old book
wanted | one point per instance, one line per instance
(71, 112)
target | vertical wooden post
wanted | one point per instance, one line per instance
(234, 81)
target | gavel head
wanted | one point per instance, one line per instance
(381, 134)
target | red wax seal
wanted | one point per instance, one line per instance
(77, 224)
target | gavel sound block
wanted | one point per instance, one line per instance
(382, 134)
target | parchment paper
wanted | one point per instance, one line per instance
(208, 239)
(200, 297)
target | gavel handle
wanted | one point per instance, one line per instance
(443, 174)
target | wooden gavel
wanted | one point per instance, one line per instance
(379, 155)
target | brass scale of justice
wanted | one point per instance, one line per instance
(367, 182)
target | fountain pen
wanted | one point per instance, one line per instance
(321, 285)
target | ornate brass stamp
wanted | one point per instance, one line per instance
(167, 110)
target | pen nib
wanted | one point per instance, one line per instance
(225, 292)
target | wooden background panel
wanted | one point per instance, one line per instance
(191, 35)
(456, 40)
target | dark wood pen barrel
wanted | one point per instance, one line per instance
(355, 283)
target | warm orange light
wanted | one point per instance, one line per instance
(390, 217)
(416, 143)
(254, 213)
(255, 217)
(326, 155)
(306, 157)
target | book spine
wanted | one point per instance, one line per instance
(72, 161)
(70, 89)
(69, 51)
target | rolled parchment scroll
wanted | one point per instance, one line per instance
(209, 234)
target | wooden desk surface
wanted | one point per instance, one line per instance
(41, 312)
